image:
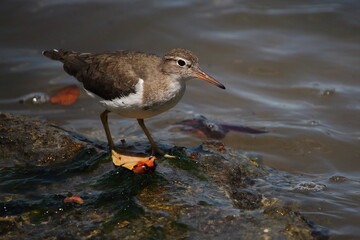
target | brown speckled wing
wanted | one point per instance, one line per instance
(109, 75)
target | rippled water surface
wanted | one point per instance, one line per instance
(292, 67)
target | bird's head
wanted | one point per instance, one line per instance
(183, 64)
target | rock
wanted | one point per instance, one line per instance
(338, 179)
(207, 192)
(6, 226)
(309, 187)
(29, 142)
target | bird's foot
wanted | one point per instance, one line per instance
(157, 151)
(120, 149)
(123, 142)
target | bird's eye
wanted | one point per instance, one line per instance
(181, 62)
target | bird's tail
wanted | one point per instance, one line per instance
(55, 54)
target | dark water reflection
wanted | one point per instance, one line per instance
(292, 67)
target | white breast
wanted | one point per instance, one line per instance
(133, 106)
(129, 106)
(132, 100)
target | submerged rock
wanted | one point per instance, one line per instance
(207, 192)
(338, 179)
(213, 129)
(309, 187)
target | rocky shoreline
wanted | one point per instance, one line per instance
(207, 192)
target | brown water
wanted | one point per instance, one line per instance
(290, 66)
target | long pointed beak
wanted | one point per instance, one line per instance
(204, 76)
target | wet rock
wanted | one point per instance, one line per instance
(207, 192)
(247, 200)
(34, 98)
(338, 179)
(309, 187)
(213, 129)
(28, 142)
(6, 226)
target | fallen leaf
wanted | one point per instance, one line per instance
(134, 163)
(75, 199)
(66, 96)
(222, 148)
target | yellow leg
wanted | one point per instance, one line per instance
(154, 147)
(104, 120)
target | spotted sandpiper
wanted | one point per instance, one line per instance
(133, 84)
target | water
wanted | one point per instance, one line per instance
(292, 67)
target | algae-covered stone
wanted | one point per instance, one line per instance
(29, 142)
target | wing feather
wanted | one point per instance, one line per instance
(109, 75)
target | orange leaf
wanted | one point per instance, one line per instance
(75, 199)
(66, 96)
(145, 166)
(134, 163)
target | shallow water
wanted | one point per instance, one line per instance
(291, 67)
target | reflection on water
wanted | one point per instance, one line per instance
(292, 67)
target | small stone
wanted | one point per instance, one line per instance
(123, 224)
(195, 155)
(314, 123)
(328, 92)
(338, 179)
(309, 187)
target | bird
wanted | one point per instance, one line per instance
(133, 84)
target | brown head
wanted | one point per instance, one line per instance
(185, 65)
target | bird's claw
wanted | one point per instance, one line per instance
(119, 149)
(156, 150)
